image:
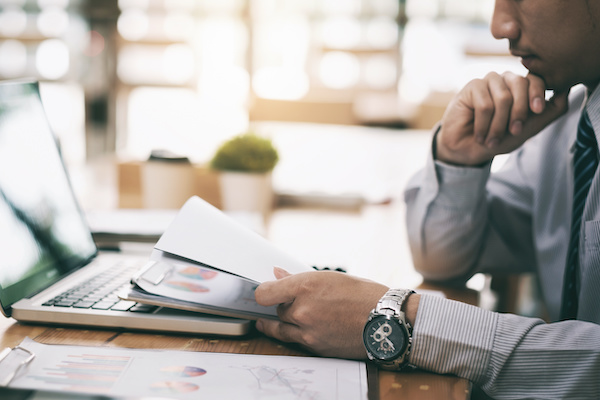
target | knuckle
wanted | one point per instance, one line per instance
(309, 340)
(512, 77)
(504, 97)
(486, 106)
(474, 84)
(492, 75)
(299, 316)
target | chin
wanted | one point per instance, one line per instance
(559, 86)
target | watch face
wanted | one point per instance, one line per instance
(385, 338)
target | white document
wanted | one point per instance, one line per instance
(188, 375)
(176, 283)
(202, 233)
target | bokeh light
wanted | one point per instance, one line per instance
(13, 22)
(52, 59)
(339, 70)
(53, 22)
(13, 58)
(133, 24)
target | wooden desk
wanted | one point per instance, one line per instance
(392, 385)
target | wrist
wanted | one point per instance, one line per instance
(411, 307)
(387, 334)
(455, 158)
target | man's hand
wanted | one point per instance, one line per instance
(495, 115)
(324, 311)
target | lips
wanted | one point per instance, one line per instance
(528, 62)
(527, 59)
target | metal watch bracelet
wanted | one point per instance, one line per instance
(391, 304)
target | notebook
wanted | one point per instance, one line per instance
(50, 268)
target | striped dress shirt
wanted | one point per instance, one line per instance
(464, 220)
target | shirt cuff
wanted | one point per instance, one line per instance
(460, 187)
(451, 337)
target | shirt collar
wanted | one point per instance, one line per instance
(592, 105)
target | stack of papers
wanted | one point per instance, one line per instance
(208, 262)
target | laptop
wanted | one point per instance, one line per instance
(51, 271)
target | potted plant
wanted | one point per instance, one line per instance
(245, 163)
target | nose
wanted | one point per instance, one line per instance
(504, 21)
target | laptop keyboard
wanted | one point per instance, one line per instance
(101, 292)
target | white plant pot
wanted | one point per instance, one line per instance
(245, 191)
(167, 185)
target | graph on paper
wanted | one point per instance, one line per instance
(189, 375)
(88, 373)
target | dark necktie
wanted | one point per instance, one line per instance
(585, 163)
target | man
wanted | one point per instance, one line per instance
(462, 220)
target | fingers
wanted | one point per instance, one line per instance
(276, 292)
(553, 108)
(280, 272)
(505, 104)
(520, 89)
(512, 99)
(279, 330)
(537, 93)
(495, 116)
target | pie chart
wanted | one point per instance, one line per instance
(183, 371)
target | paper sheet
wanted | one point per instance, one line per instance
(203, 233)
(211, 290)
(189, 375)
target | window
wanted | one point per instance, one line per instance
(192, 73)
(47, 40)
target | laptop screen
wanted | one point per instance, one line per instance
(43, 235)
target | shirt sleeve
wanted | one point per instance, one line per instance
(462, 220)
(508, 356)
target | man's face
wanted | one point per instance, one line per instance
(558, 40)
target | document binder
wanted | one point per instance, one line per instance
(12, 361)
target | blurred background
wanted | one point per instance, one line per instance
(129, 76)
(347, 89)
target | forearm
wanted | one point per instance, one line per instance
(462, 220)
(446, 219)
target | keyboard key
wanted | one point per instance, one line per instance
(103, 305)
(123, 305)
(84, 304)
(99, 292)
(64, 303)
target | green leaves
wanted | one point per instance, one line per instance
(246, 153)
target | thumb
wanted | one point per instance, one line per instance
(280, 273)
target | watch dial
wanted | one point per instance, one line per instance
(385, 338)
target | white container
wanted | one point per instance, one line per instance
(167, 184)
(246, 191)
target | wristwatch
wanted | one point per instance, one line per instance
(387, 334)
